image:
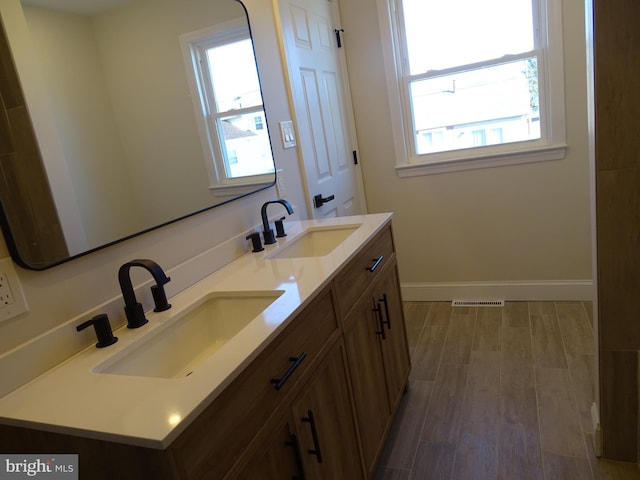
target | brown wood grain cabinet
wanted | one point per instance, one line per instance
(377, 349)
(318, 437)
(394, 346)
(328, 420)
(279, 455)
(368, 378)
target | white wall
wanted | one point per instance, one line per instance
(514, 232)
(78, 287)
(146, 75)
(66, 53)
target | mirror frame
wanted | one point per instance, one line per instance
(14, 249)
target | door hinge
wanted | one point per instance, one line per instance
(355, 157)
(338, 39)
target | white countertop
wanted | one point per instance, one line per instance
(72, 398)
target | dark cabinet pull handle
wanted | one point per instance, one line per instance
(279, 382)
(314, 434)
(376, 263)
(386, 322)
(293, 443)
(380, 321)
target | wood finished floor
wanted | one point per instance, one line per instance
(498, 393)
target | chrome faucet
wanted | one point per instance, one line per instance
(132, 308)
(269, 237)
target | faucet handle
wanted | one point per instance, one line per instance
(280, 228)
(160, 297)
(103, 330)
(255, 242)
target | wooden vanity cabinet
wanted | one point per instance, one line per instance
(216, 440)
(369, 306)
(277, 456)
(375, 336)
(368, 380)
(342, 365)
(394, 344)
(325, 423)
(359, 274)
(318, 438)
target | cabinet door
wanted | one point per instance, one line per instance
(395, 350)
(362, 339)
(280, 459)
(325, 424)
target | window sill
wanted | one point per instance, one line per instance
(434, 167)
(238, 188)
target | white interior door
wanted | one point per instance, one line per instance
(322, 107)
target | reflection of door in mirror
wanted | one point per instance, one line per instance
(108, 92)
(24, 188)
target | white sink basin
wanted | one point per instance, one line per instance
(315, 242)
(176, 349)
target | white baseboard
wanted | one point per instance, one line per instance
(518, 290)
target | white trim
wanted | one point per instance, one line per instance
(591, 122)
(238, 188)
(541, 154)
(549, 42)
(390, 53)
(536, 290)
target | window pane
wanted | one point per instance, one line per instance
(486, 106)
(246, 149)
(448, 33)
(236, 87)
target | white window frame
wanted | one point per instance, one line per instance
(552, 144)
(193, 47)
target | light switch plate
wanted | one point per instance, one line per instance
(288, 134)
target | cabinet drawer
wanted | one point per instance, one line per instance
(215, 440)
(354, 279)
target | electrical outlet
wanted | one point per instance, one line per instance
(6, 297)
(12, 301)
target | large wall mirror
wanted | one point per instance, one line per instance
(120, 116)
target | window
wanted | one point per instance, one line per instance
(228, 104)
(486, 77)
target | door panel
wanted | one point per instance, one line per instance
(367, 377)
(324, 423)
(317, 151)
(395, 350)
(321, 106)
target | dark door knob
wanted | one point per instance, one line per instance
(319, 200)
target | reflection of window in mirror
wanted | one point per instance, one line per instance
(229, 107)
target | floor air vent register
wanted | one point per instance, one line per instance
(477, 303)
